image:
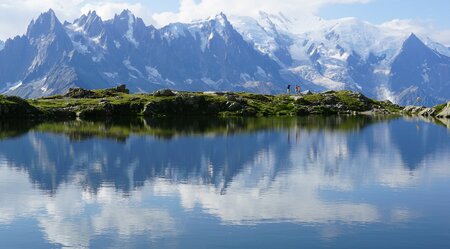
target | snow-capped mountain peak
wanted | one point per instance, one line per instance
(200, 30)
(90, 24)
(261, 53)
(130, 25)
(46, 23)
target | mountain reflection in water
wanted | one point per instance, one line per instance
(83, 183)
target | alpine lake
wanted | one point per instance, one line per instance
(281, 182)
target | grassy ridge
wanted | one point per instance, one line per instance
(109, 102)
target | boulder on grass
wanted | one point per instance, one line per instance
(164, 93)
(79, 93)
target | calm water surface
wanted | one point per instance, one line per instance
(335, 182)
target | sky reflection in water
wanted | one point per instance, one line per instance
(341, 182)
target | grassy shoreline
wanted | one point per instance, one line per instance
(118, 102)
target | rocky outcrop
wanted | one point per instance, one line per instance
(440, 111)
(184, 104)
(12, 107)
(79, 93)
(413, 109)
(116, 102)
(121, 89)
(445, 113)
(428, 112)
(164, 93)
(341, 102)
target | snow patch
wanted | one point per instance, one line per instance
(261, 33)
(385, 72)
(425, 75)
(15, 86)
(97, 39)
(207, 30)
(441, 49)
(309, 74)
(261, 72)
(209, 82)
(245, 77)
(211, 36)
(130, 32)
(82, 49)
(170, 82)
(111, 75)
(127, 64)
(152, 72)
(174, 31)
(426, 78)
(97, 58)
(117, 44)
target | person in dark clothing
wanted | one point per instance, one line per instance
(289, 89)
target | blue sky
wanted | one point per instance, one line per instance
(425, 15)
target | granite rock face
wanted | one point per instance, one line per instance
(445, 113)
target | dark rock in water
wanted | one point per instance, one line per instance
(150, 109)
(79, 93)
(107, 109)
(164, 93)
(12, 106)
(428, 112)
(302, 111)
(249, 112)
(61, 113)
(214, 107)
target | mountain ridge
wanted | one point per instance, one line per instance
(220, 53)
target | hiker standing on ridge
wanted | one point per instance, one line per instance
(289, 89)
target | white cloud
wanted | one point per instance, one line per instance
(421, 28)
(442, 36)
(65, 219)
(191, 9)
